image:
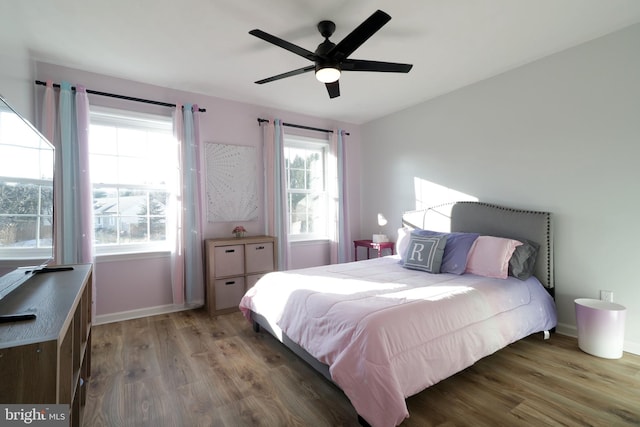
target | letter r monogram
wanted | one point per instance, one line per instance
(416, 251)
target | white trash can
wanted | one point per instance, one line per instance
(600, 327)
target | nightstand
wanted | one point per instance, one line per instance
(369, 244)
(600, 327)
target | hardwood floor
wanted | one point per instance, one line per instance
(189, 369)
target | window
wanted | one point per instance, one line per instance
(134, 169)
(26, 190)
(307, 198)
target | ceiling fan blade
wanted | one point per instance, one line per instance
(284, 44)
(287, 74)
(358, 36)
(382, 67)
(333, 89)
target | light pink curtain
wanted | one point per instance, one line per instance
(277, 223)
(177, 252)
(83, 185)
(340, 249)
(268, 148)
(187, 255)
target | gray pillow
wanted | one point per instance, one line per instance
(425, 253)
(523, 260)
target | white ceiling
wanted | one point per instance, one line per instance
(203, 46)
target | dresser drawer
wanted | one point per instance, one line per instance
(228, 260)
(229, 292)
(259, 257)
(233, 265)
(253, 279)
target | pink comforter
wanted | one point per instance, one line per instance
(387, 332)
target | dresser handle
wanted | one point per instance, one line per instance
(229, 251)
(259, 247)
(230, 283)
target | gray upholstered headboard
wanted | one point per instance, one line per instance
(494, 220)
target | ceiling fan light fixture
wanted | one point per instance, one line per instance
(328, 74)
(329, 58)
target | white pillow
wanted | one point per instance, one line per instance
(402, 243)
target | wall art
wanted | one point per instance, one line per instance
(232, 188)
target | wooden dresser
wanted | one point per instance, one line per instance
(233, 266)
(48, 359)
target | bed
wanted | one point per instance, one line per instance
(387, 328)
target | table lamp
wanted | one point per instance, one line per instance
(380, 238)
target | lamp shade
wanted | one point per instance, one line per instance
(327, 74)
(382, 221)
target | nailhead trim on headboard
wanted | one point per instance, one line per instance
(547, 216)
(549, 283)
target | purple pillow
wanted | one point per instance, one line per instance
(456, 251)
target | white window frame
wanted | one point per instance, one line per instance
(31, 252)
(27, 132)
(136, 120)
(302, 142)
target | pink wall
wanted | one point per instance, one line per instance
(125, 285)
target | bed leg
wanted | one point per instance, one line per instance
(256, 326)
(546, 335)
(363, 422)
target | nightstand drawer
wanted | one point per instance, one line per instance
(259, 257)
(228, 260)
(229, 292)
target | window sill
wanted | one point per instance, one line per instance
(309, 242)
(131, 256)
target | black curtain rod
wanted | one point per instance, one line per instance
(291, 125)
(126, 98)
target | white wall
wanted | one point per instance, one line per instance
(16, 79)
(141, 285)
(561, 134)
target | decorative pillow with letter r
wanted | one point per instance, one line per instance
(456, 250)
(425, 253)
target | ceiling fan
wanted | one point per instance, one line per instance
(331, 59)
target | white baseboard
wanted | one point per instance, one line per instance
(568, 330)
(632, 347)
(572, 331)
(143, 312)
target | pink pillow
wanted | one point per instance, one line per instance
(489, 256)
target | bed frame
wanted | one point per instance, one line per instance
(478, 217)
